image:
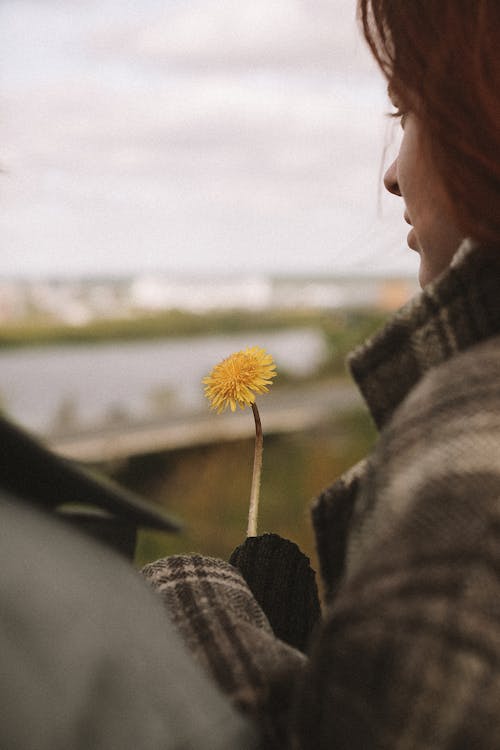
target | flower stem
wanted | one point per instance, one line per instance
(257, 470)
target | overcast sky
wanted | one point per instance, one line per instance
(192, 136)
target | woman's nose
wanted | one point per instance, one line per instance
(391, 179)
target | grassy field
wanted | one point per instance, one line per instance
(208, 487)
(167, 324)
(342, 329)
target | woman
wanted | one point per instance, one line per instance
(408, 651)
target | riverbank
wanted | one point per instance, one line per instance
(178, 324)
(285, 410)
(55, 389)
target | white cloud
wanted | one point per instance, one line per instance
(188, 134)
(230, 33)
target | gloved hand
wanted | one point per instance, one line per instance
(283, 583)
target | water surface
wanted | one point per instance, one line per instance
(73, 387)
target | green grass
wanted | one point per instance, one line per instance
(208, 487)
(342, 329)
(157, 326)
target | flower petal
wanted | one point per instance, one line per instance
(237, 379)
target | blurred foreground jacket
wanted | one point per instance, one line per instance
(407, 656)
(89, 501)
(88, 659)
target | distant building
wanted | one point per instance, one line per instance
(77, 302)
(200, 295)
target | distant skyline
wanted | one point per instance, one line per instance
(192, 136)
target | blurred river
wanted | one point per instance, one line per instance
(53, 389)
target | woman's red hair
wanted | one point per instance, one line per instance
(444, 55)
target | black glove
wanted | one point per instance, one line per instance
(283, 583)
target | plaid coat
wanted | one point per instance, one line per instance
(407, 655)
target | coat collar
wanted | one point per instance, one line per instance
(459, 309)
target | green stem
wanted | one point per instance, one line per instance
(257, 470)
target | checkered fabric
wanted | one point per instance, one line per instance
(407, 656)
(409, 540)
(230, 636)
(454, 313)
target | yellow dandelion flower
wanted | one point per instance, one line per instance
(238, 378)
(234, 382)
